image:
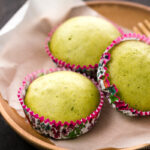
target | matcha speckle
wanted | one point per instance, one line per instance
(72, 108)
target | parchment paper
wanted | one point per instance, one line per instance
(22, 52)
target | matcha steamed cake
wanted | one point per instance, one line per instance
(82, 40)
(129, 70)
(62, 96)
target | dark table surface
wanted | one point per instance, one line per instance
(9, 140)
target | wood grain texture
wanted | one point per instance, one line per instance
(108, 9)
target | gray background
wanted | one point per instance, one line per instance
(9, 140)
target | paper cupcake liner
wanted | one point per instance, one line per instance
(90, 70)
(51, 128)
(111, 90)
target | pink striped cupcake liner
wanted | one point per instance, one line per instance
(51, 128)
(90, 70)
(103, 77)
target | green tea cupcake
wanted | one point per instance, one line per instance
(128, 69)
(62, 96)
(60, 104)
(79, 42)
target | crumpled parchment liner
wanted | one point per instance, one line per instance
(22, 52)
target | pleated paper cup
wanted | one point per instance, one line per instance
(51, 128)
(90, 70)
(103, 77)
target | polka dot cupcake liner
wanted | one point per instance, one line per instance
(51, 128)
(90, 70)
(103, 77)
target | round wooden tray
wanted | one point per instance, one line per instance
(126, 14)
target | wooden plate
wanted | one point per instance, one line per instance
(126, 14)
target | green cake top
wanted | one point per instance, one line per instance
(62, 96)
(82, 40)
(129, 70)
